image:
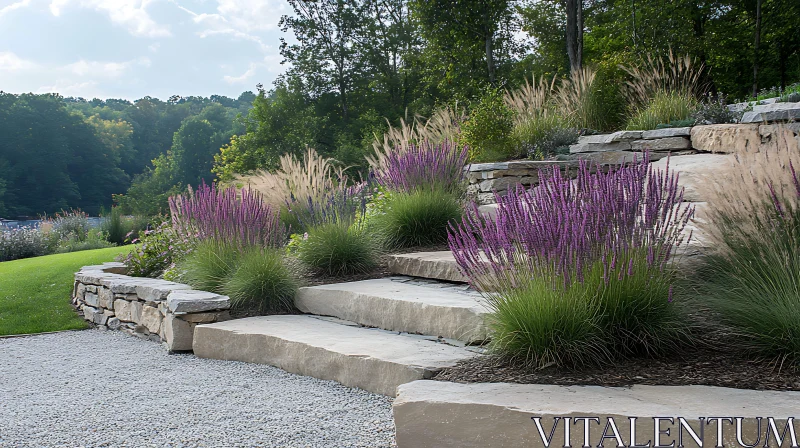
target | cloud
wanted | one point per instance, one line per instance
(132, 14)
(253, 15)
(10, 62)
(65, 87)
(103, 69)
(243, 77)
(17, 5)
(218, 24)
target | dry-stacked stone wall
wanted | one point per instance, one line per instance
(154, 309)
(486, 179)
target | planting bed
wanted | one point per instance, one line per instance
(716, 361)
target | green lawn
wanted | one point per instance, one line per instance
(35, 292)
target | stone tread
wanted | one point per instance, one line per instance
(436, 265)
(433, 308)
(370, 359)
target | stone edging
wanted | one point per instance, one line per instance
(154, 309)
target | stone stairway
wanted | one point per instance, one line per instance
(371, 334)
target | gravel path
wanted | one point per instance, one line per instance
(94, 388)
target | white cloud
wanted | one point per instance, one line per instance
(66, 87)
(132, 14)
(17, 5)
(253, 15)
(10, 62)
(103, 69)
(218, 24)
(243, 77)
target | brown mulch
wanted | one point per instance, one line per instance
(714, 360)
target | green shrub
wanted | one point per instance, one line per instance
(487, 131)
(94, 239)
(662, 108)
(156, 251)
(417, 219)
(338, 248)
(208, 266)
(261, 281)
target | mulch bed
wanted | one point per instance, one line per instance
(716, 360)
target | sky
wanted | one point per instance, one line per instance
(135, 48)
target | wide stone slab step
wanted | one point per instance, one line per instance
(437, 414)
(436, 265)
(374, 360)
(401, 304)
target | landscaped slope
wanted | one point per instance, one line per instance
(35, 292)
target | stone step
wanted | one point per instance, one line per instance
(442, 415)
(401, 304)
(374, 360)
(436, 265)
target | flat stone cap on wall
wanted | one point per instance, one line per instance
(772, 112)
(148, 289)
(193, 301)
(521, 164)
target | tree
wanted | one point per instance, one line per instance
(574, 33)
(473, 32)
(330, 36)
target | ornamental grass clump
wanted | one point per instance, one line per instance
(262, 281)
(424, 186)
(578, 272)
(337, 241)
(220, 214)
(753, 279)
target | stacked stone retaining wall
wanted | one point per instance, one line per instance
(154, 309)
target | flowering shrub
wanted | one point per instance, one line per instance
(70, 224)
(577, 272)
(215, 213)
(157, 251)
(424, 166)
(25, 242)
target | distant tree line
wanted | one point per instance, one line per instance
(59, 153)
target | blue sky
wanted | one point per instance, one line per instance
(133, 48)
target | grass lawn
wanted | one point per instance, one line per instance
(35, 292)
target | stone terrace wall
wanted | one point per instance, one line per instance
(622, 147)
(154, 309)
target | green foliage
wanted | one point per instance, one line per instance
(487, 131)
(36, 291)
(545, 135)
(262, 281)
(418, 219)
(94, 239)
(588, 323)
(208, 265)
(156, 251)
(121, 229)
(663, 108)
(338, 248)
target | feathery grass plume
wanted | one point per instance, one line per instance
(577, 272)
(443, 126)
(671, 75)
(425, 165)
(577, 101)
(753, 279)
(299, 180)
(223, 215)
(532, 100)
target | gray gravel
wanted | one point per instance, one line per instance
(94, 388)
